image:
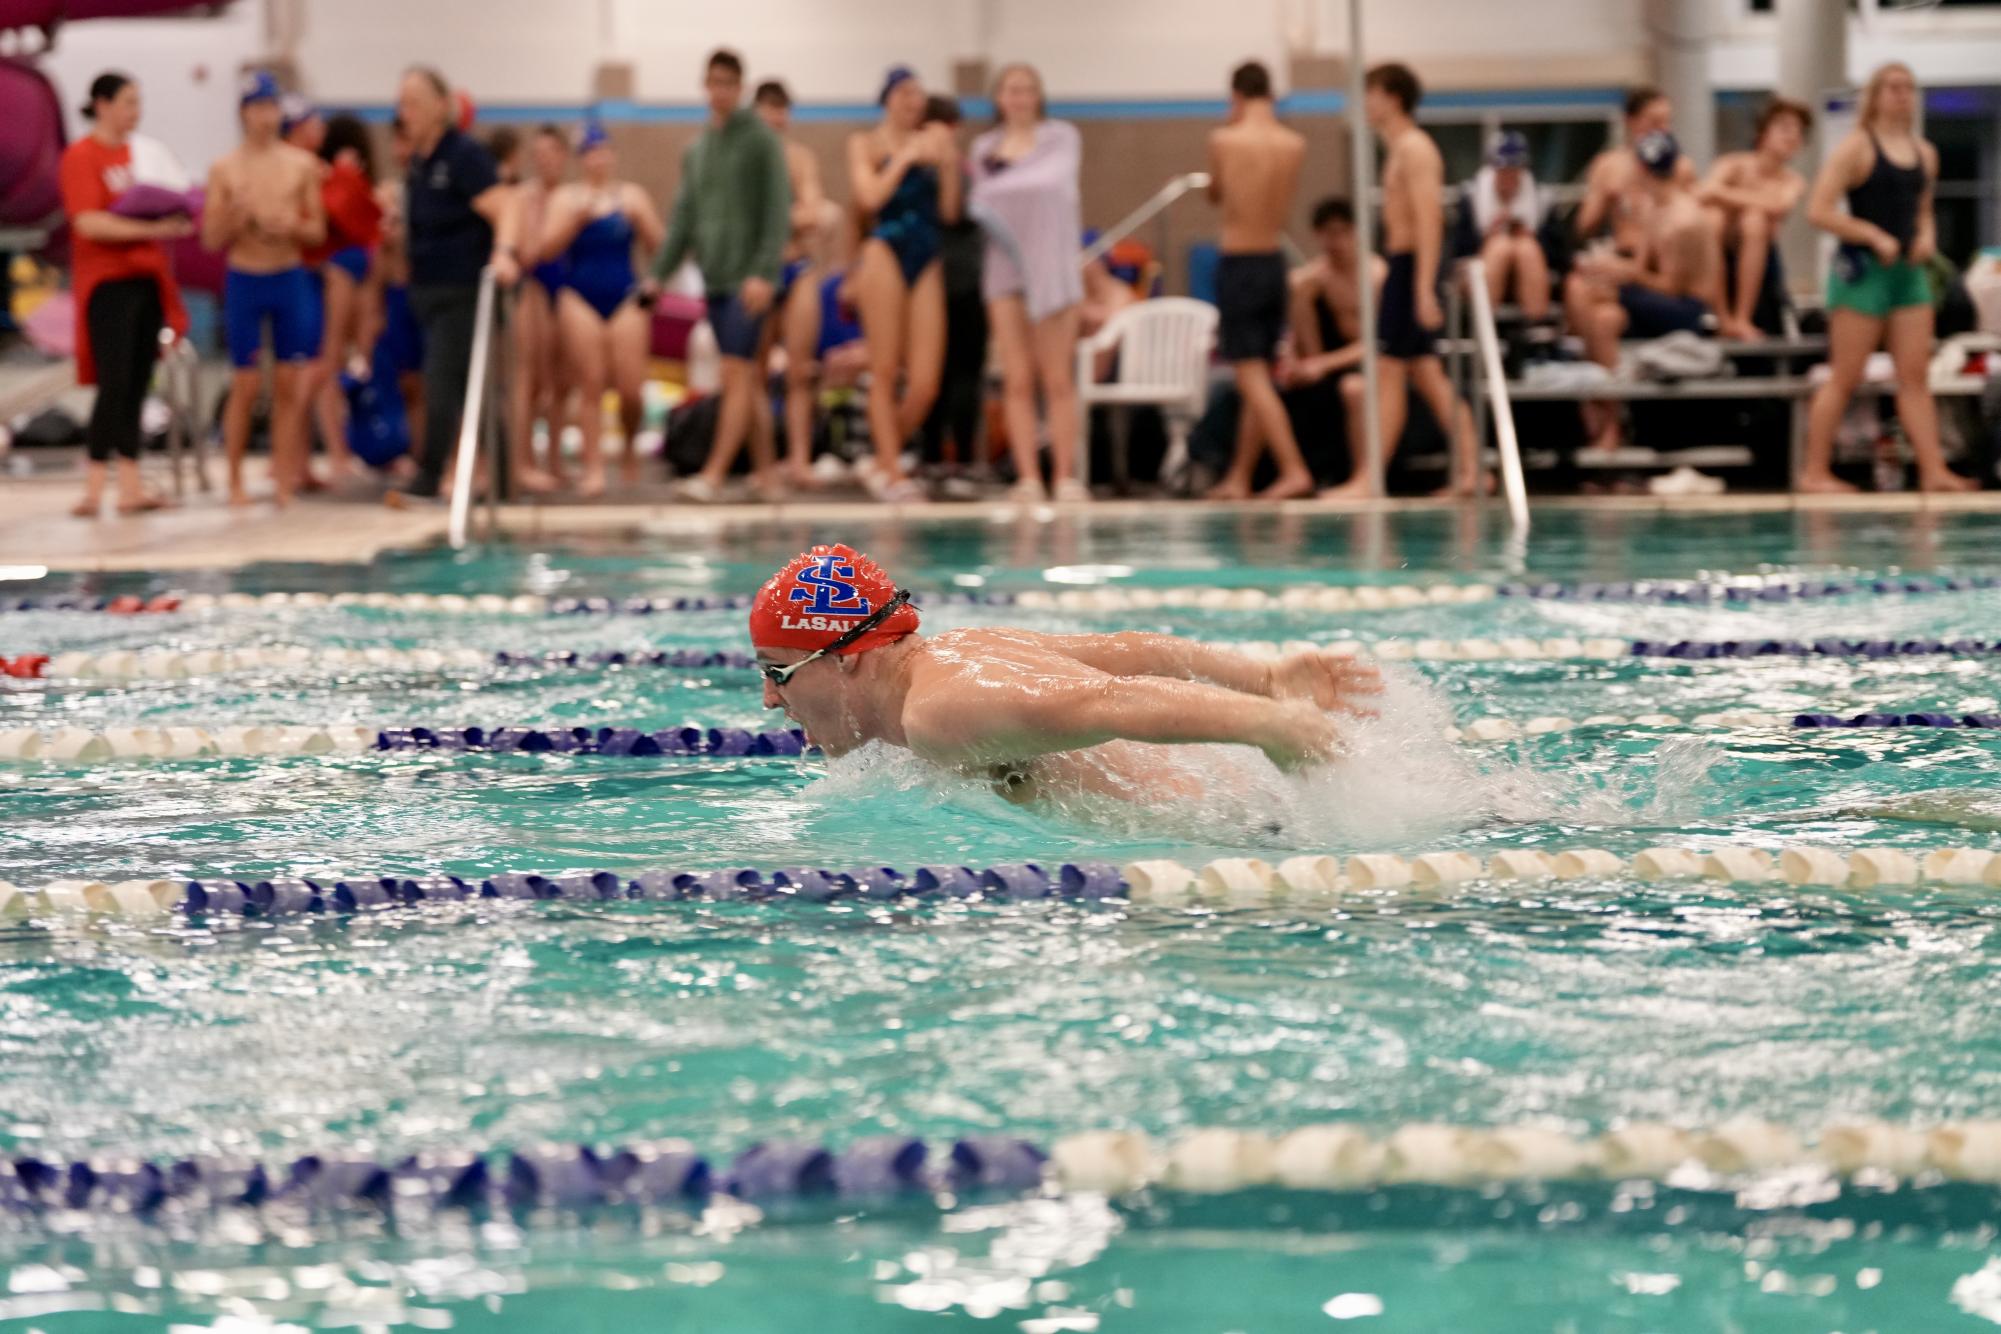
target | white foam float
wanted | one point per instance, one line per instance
(1741, 866)
(1587, 864)
(1955, 866)
(1966, 1151)
(1535, 1153)
(1746, 1145)
(1378, 870)
(1521, 864)
(1434, 870)
(1333, 1157)
(1869, 868)
(1813, 866)
(1235, 879)
(1308, 875)
(1427, 1154)
(1214, 1162)
(1159, 882)
(78, 744)
(1644, 1149)
(1863, 1146)
(1110, 1162)
(1667, 864)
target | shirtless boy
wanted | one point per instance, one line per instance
(1409, 322)
(1615, 194)
(798, 299)
(263, 206)
(1253, 175)
(1748, 196)
(1673, 283)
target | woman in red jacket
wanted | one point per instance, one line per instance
(124, 290)
(352, 301)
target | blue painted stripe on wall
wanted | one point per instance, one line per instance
(1310, 103)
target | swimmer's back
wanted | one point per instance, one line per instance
(1257, 176)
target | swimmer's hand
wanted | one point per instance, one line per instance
(1302, 736)
(1327, 680)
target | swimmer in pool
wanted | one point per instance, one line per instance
(1036, 714)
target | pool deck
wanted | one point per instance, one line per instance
(205, 533)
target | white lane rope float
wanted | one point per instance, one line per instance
(1335, 1159)
(167, 664)
(158, 663)
(1741, 591)
(85, 745)
(1300, 881)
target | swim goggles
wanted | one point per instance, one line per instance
(778, 675)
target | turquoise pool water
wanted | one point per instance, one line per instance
(500, 1024)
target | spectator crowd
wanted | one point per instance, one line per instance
(350, 305)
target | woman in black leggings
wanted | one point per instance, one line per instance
(124, 290)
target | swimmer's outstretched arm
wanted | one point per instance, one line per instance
(1137, 653)
(1018, 720)
(1330, 680)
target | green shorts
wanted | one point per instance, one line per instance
(1863, 283)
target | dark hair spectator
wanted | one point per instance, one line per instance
(1333, 209)
(1784, 106)
(725, 59)
(104, 88)
(1400, 82)
(1640, 97)
(344, 132)
(503, 141)
(771, 93)
(941, 110)
(1251, 79)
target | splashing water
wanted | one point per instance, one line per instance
(1400, 782)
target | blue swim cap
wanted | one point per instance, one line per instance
(897, 74)
(593, 135)
(258, 86)
(1509, 149)
(297, 111)
(1658, 152)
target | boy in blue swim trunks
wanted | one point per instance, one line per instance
(733, 215)
(263, 206)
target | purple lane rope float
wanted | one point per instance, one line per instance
(1752, 591)
(80, 745)
(1302, 880)
(169, 664)
(1334, 1158)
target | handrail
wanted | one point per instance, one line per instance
(1175, 188)
(475, 407)
(1484, 332)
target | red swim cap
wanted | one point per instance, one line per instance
(821, 595)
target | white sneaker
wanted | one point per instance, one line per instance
(1071, 491)
(1685, 481)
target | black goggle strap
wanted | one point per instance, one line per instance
(779, 675)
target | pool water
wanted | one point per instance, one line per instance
(1580, 1006)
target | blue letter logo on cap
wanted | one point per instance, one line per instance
(828, 590)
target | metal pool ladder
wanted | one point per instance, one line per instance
(479, 423)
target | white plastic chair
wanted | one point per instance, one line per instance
(1163, 347)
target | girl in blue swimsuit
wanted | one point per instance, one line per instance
(592, 226)
(906, 176)
(536, 391)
